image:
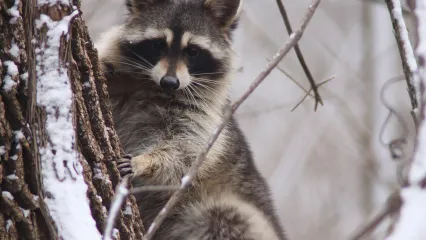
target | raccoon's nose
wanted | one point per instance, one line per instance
(169, 82)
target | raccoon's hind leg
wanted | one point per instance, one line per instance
(225, 218)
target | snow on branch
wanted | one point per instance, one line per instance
(410, 224)
(61, 172)
(406, 52)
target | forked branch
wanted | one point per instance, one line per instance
(299, 55)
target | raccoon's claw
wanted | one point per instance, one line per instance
(124, 165)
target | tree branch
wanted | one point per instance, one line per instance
(299, 55)
(409, 64)
(412, 216)
(186, 181)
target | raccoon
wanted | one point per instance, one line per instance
(169, 68)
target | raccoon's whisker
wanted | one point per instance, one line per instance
(206, 88)
(209, 73)
(209, 89)
(187, 96)
(219, 83)
(192, 96)
(203, 100)
(140, 57)
(125, 70)
(138, 62)
(135, 64)
(143, 59)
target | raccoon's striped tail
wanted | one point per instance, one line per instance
(223, 218)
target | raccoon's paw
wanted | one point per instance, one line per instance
(124, 165)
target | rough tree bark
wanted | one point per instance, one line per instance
(23, 210)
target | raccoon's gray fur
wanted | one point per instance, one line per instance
(169, 68)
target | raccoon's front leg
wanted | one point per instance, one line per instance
(161, 166)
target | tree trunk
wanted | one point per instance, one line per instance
(38, 165)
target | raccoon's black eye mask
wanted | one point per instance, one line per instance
(198, 60)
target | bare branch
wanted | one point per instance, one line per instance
(393, 204)
(300, 55)
(308, 93)
(186, 181)
(121, 193)
(409, 64)
(153, 189)
(412, 215)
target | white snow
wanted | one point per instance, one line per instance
(18, 135)
(12, 177)
(26, 212)
(14, 12)
(14, 50)
(8, 225)
(115, 233)
(151, 227)
(86, 84)
(413, 211)
(14, 157)
(6, 194)
(24, 76)
(2, 150)
(185, 180)
(128, 210)
(12, 71)
(410, 225)
(68, 206)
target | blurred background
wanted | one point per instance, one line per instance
(328, 170)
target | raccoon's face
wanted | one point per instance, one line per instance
(177, 45)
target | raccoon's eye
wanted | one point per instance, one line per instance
(192, 51)
(159, 45)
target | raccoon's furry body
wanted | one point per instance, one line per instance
(168, 69)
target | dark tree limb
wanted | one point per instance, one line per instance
(300, 56)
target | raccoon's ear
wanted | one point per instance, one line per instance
(225, 12)
(135, 6)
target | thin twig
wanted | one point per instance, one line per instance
(186, 181)
(121, 193)
(395, 145)
(300, 55)
(406, 52)
(308, 93)
(292, 79)
(153, 189)
(393, 204)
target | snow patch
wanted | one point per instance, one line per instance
(14, 50)
(14, 157)
(18, 135)
(14, 12)
(115, 233)
(12, 177)
(413, 215)
(24, 76)
(185, 180)
(26, 212)
(59, 158)
(9, 224)
(12, 71)
(2, 150)
(8, 195)
(128, 210)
